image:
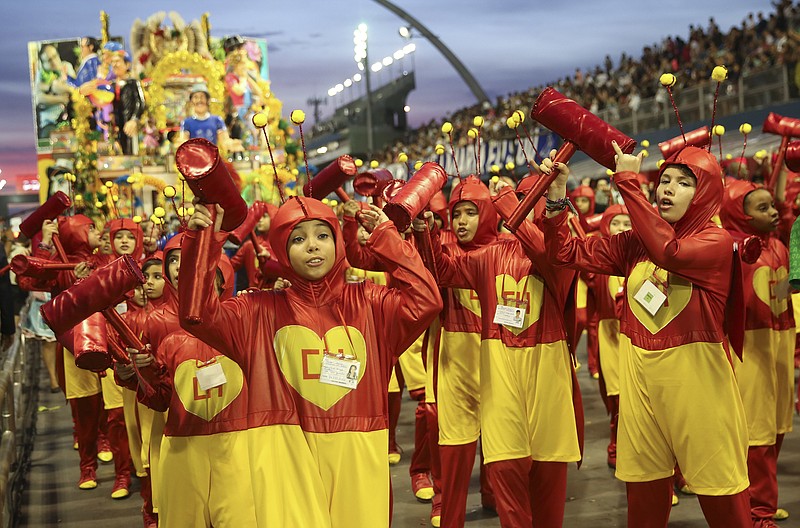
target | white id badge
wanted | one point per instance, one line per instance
(210, 376)
(510, 315)
(340, 371)
(650, 297)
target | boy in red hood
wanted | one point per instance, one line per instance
(474, 223)
(312, 332)
(766, 374)
(679, 401)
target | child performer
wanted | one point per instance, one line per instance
(678, 395)
(766, 374)
(607, 291)
(474, 223)
(529, 429)
(204, 465)
(311, 333)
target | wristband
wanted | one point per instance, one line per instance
(46, 247)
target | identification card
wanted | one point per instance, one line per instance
(121, 308)
(650, 297)
(510, 314)
(210, 376)
(340, 371)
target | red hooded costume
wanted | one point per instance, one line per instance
(766, 375)
(279, 339)
(517, 275)
(457, 368)
(675, 363)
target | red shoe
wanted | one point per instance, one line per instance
(88, 480)
(121, 487)
(436, 512)
(150, 519)
(612, 455)
(422, 487)
(104, 450)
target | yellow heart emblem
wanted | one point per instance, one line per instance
(679, 292)
(469, 300)
(299, 351)
(207, 404)
(529, 290)
(772, 288)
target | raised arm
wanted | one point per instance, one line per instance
(407, 308)
(225, 325)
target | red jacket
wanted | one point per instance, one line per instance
(278, 337)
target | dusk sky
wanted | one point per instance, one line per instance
(508, 45)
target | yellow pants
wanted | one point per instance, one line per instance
(459, 388)
(205, 481)
(286, 484)
(526, 403)
(681, 405)
(80, 383)
(355, 476)
(129, 408)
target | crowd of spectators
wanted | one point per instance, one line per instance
(759, 42)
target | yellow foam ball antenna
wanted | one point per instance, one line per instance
(667, 80)
(190, 211)
(169, 191)
(333, 203)
(109, 184)
(181, 212)
(418, 165)
(260, 119)
(447, 127)
(478, 121)
(403, 157)
(298, 117)
(745, 128)
(99, 205)
(359, 162)
(510, 166)
(728, 156)
(761, 154)
(512, 123)
(495, 169)
(472, 133)
(645, 154)
(114, 198)
(609, 172)
(78, 198)
(154, 219)
(645, 143)
(495, 179)
(659, 163)
(374, 164)
(325, 201)
(719, 73)
(159, 212)
(719, 130)
(102, 190)
(439, 149)
(519, 116)
(137, 219)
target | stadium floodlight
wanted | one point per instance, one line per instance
(348, 83)
(339, 87)
(331, 92)
(406, 109)
(399, 54)
(376, 67)
(361, 66)
(387, 61)
(409, 48)
(405, 32)
(362, 28)
(357, 77)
